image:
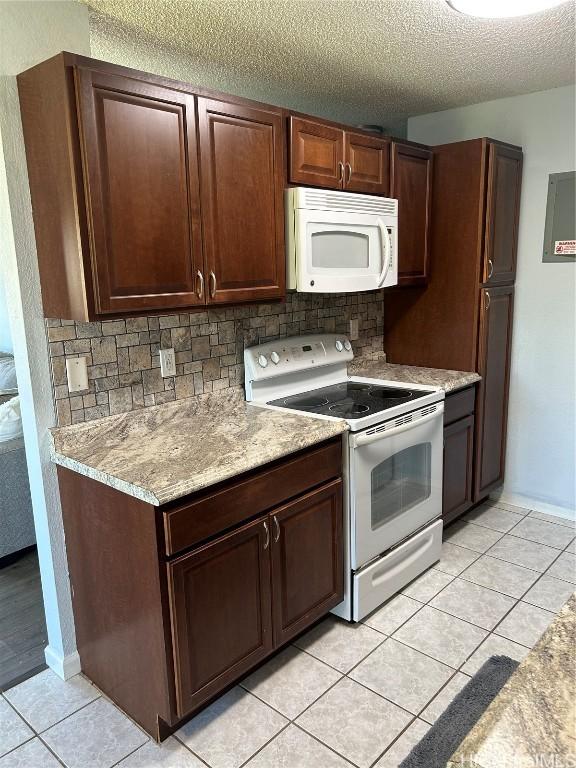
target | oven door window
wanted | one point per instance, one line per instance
(400, 483)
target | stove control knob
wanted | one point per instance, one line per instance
(339, 345)
(262, 361)
(275, 357)
(347, 346)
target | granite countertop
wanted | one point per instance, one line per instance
(377, 368)
(532, 721)
(164, 452)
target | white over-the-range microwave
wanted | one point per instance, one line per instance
(339, 242)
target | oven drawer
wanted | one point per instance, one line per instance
(378, 582)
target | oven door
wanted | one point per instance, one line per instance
(395, 481)
(343, 251)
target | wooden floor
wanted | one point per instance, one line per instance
(22, 623)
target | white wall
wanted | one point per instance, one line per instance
(541, 427)
(29, 33)
(5, 335)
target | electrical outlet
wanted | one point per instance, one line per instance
(77, 374)
(167, 362)
(354, 330)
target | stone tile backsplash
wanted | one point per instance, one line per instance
(124, 362)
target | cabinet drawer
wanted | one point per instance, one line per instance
(211, 514)
(459, 405)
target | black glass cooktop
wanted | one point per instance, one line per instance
(350, 400)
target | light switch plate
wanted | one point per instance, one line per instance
(167, 362)
(77, 374)
(354, 330)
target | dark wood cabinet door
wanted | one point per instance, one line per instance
(366, 164)
(220, 611)
(496, 309)
(502, 213)
(241, 151)
(457, 488)
(316, 154)
(307, 560)
(411, 185)
(142, 195)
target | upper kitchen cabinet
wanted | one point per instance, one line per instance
(316, 154)
(411, 185)
(241, 153)
(142, 197)
(502, 213)
(325, 155)
(122, 223)
(366, 164)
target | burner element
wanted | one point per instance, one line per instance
(389, 393)
(348, 409)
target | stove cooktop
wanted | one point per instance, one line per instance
(350, 399)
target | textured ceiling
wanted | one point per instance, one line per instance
(372, 58)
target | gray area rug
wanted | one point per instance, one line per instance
(448, 732)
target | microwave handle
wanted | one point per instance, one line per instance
(366, 439)
(387, 247)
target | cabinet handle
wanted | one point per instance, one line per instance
(277, 527)
(267, 532)
(212, 285)
(487, 301)
(349, 169)
(340, 171)
(200, 277)
(490, 268)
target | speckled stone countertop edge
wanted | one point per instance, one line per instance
(553, 650)
(376, 367)
(227, 406)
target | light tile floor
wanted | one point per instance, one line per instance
(342, 695)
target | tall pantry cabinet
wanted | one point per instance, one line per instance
(462, 319)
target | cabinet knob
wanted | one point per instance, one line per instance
(487, 301)
(349, 170)
(340, 171)
(277, 528)
(267, 532)
(490, 268)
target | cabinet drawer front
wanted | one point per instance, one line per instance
(198, 520)
(459, 405)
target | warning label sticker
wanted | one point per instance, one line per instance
(565, 248)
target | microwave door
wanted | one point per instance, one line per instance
(340, 251)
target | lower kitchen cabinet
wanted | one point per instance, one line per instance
(173, 604)
(307, 564)
(495, 342)
(220, 609)
(457, 487)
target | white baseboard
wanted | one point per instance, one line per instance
(64, 666)
(538, 506)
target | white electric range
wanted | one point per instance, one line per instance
(392, 458)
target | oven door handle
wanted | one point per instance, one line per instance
(367, 439)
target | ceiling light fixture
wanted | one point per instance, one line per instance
(502, 8)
